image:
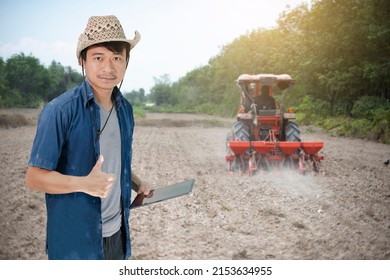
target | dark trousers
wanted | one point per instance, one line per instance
(114, 246)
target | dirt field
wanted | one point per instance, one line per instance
(342, 213)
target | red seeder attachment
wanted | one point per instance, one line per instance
(251, 156)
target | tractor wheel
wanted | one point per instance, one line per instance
(292, 132)
(240, 132)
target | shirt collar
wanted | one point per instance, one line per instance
(89, 97)
(117, 96)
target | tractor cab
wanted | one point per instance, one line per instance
(253, 87)
(259, 105)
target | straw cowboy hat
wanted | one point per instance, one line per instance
(103, 29)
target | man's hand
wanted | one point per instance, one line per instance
(98, 183)
(145, 189)
(140, 186)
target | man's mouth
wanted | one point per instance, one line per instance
(107, 77)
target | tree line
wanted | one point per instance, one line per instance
(25, 82)
(337, 50)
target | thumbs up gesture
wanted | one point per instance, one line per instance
(98, 183)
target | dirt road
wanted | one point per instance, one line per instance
(342, 213)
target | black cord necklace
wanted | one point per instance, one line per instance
(100, 131)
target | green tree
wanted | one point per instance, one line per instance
(25, 82)
(136, 97)
(161, 93)
(61, 79)
(342, 49)
(26, 76)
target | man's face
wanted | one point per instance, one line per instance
(104, 68)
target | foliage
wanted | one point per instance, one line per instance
(378, 130)
(311, 109)
(61, 79)
(369, 107)
(138, 112)
(381, 126)
(14, 120)
(25, 82)
(162, 92)
(338, 51)
(136, 97)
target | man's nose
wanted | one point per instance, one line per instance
(108, 65)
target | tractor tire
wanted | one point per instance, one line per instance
(240, 132)
(292, 132)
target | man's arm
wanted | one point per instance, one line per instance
(96, 183)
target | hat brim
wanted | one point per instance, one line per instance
(85, 43)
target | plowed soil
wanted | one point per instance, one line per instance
(341, 213)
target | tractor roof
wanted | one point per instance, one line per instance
(282, 81)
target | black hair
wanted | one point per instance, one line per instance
(114, 46)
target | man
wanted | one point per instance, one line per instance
(81, 155)
(265, 101)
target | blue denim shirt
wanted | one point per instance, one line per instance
(66, 141)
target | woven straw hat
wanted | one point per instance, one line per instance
(103, 29)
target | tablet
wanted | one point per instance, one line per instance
(164, 193)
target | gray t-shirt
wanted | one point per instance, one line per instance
(110, 148)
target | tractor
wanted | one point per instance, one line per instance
(265, 137)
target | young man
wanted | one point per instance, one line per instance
(81, 155)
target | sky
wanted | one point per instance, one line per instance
(177, 35)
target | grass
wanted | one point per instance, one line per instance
(14, 120)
